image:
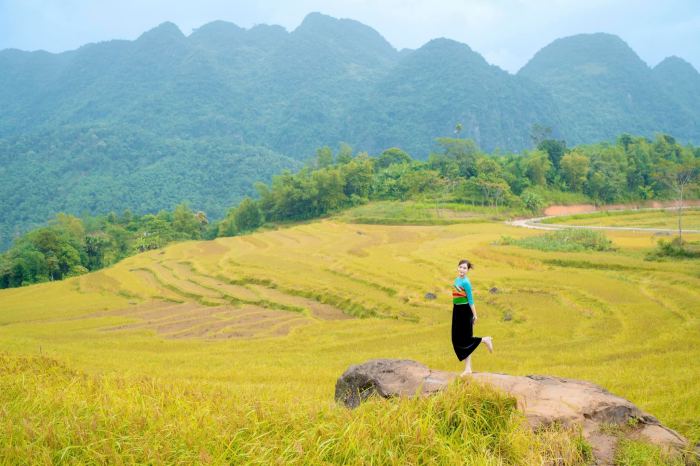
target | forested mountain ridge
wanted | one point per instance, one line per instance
(603, 88)
(146, 124)
(334, 80)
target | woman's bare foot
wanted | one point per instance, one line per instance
(465, 374)
(488, 341)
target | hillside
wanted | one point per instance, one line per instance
(270, 320)
(167, 118)
(602, 89)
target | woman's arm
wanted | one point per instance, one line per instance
(470, 297)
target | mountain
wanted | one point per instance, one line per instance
(681, 82)
(602, 88)
(443, 83)
(148, 123)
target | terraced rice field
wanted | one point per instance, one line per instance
(667, 218)
(279, 315)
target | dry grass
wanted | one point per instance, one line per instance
(608, 317)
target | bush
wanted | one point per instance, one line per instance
(567, 240)
(532, 201)
(675, 249)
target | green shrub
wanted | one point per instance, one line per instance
(568, 240)
(675, 249)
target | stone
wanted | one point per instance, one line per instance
(545, 400)
(388, 378)
(430, 296)
(493, 290)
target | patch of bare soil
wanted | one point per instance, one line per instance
(235, 291)
(318, 310)
(186, 287)
(212, 248)
(587, 208)
(193, 320)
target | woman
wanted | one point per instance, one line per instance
(463, 318)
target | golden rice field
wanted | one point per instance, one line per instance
(227, 351)
(666, 218)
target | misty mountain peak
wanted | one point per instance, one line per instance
(166, 31)
(448, 49)
(591, 54)
(218, 33)
(217, 28)
(674, 64)
(342, 30)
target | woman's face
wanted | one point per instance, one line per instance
(462, 269)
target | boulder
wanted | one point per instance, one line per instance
(388, 378)
(544, 400)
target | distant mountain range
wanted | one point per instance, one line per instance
(144, 124)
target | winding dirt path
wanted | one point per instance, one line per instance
(563, 211)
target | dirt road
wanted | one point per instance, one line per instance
(562, 211)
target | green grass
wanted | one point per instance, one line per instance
(569, 240)
(635, 453)
(424, 213)
(666, 218)
(111, 387)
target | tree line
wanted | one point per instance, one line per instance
(629, 169)
(70, 246)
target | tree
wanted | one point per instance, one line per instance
(460, 153)
(95, 246)
(358, 177)
(492, 189)
(155, 233)
(554, 149)
(324, 157)
(574, 168)
(227, 226)
(329, 191)
(537, 166)
(607, 180)
(185, 222)
(344, 154)
(532, 201)
(247, 216)
(680, 177)
(392, 156)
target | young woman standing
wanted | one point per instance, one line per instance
(463, 318)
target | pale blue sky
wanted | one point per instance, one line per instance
(506, 32)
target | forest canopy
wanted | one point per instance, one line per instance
(629, 169)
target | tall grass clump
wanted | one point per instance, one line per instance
(635, 453)
(567, 240)
(52, 414)
(674, 249)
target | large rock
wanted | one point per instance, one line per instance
(388, 378)
(544, 400)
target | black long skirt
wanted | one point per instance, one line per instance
(463, 340)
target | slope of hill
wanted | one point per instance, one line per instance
(445, 82)
(681, 82)
(288, 93)
(114, 167)
(603, 89)
(268, 321)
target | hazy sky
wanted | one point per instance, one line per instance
(506, 32)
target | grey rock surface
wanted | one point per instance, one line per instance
(544, 400)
